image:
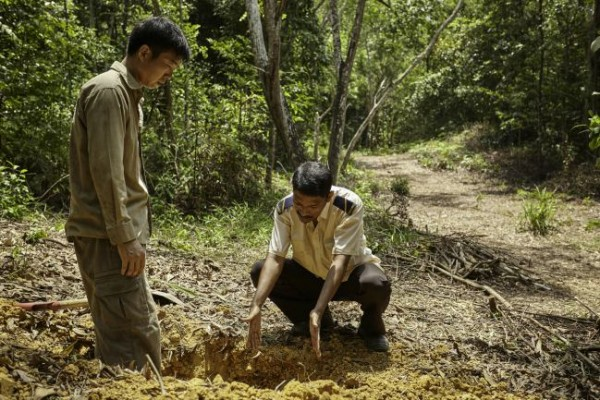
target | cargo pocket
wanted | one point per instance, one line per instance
(122, 300)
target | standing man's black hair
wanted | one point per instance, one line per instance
(312, 179)
(160, 34)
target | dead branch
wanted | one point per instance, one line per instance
(476, 285)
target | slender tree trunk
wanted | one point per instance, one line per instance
(386, 89)
(92, 16)
(167, 108)
(271, 157)
(267, 61)
(335, 34)
(541, 123)
(317, 133)
(125, 24)
(186, 89)
(338, 117)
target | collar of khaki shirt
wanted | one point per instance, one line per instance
(133, 83)
(325, 211)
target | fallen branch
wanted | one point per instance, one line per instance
(476, 285)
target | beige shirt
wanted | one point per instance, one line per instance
(109, 198)
(339, 230)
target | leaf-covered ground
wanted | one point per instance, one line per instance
(449, 340)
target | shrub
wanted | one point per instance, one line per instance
(15, 196)
(539, 209)
(400, 186)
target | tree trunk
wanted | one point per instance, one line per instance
(271, 157)
(338, 117)
(541, 124)
(92, 19)
(384, 89)
(167, 108)
(267, 63)
(335, 34)
(317, 133)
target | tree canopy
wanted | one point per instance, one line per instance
(522, 69)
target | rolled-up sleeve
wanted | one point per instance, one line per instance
(280, 236)
(106, 115)
(349, 238)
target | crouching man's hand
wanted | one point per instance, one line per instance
(253, 342)
(314, 323)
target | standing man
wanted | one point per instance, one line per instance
(109, 220)
(324, 226)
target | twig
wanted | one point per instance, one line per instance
(52, 187)
(157, 374)
(54, 241)
(587, 307)
(562, 317)
(591, 348)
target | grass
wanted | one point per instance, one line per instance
(539, 210)
(225, 230)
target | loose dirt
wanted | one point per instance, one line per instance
(446, 343)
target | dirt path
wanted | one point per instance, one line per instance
(447, 202)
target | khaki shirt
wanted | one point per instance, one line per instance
(109, 198)
(339, 230)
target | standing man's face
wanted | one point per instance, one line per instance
(309, 208)
(157, 71)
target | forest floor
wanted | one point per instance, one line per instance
(530, 330)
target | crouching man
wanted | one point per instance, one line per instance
(324, 226)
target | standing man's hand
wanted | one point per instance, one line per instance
(314, 323)
(253, 342)
(133, 258)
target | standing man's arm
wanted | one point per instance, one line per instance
(268, 277)
(106, 117)
(332, 283)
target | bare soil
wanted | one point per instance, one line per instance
(447, 341)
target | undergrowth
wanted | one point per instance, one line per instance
(539, 210)
(225, 230)
(449, 154)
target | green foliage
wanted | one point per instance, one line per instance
(593, 224)
(539, 210)
(42, 62)
(400, 186)
(240, 225)
(35, 235)
(15, 196)
(594, 135)
(387, 236)
(594, 128)
(486, 68)
(448, 154)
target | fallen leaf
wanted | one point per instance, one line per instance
(41, 393)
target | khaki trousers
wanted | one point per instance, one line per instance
(122, 308)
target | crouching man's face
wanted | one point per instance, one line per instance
(308, 207)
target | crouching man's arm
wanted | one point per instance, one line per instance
(268, 277)
(332, 283)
